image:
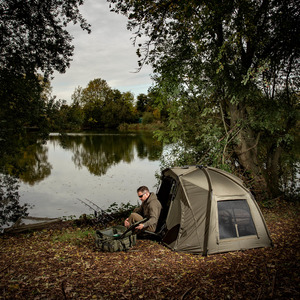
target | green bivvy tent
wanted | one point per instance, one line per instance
(207, 210)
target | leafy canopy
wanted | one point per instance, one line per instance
(104, 107)
(34, 36)
(229, 73)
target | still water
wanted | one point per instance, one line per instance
(103, 168)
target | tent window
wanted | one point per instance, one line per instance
(235, 219)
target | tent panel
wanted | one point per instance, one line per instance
(173, 220)
(249, 233)
(187, 235)
(243, 243)
(226, 174)
(197, 178)
(259, 222)
(193, 207)
(223, 185)
(176, 172)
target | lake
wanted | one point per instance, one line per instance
(103, 168)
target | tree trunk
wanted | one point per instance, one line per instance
(246, 148)
(272, 171)
(264, 173)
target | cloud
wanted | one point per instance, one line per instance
(106, 53)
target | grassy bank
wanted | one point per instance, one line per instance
(62, 263)
(140, 127)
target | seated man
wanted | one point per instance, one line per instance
(149, 209)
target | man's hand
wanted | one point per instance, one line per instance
(139, 227)
(126, 223)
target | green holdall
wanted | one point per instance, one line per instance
(116, 238)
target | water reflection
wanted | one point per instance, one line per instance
(21, 157)
(104, 168)
(34, 164)
(10, 208)
(25, 157)
(98, 152)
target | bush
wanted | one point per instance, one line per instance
(148, 118)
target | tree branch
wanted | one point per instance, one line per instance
(255, 145)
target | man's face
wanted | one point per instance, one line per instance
(143, 195)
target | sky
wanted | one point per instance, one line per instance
(106, 53)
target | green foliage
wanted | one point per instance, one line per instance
(150, 103)
(141, 103)
(229, 74)
(33, 39)
(120, 209)
(140, 127)
(103, 107)
(148, 118)
(10, 209)
(21, 102)
(33, 35)
(62, 117)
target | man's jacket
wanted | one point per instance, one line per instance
(150, 209)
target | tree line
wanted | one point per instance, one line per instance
(98, 106)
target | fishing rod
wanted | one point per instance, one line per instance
(87, 205)
(102, 211)
(95, 205)
(101, 217)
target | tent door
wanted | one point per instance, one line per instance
(166, 195)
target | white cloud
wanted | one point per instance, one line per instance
(106, 53)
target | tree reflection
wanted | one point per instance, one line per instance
(26, 158)
(21, 157)
(100, 152)
(148, 147)
(10, 208)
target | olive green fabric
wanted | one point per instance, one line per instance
(212, 212)
(149, 209)
(113, 239)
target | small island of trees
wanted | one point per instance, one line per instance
(99, 107)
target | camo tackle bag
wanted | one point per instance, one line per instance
(113, 239)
